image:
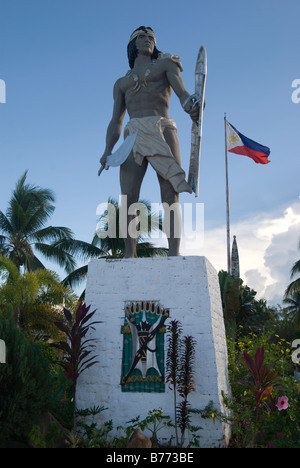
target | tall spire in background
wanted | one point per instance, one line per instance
(235, 263)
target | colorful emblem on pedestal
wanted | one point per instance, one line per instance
(143, 347)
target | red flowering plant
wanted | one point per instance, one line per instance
(76, 348)
(266, 412)
(261, 380)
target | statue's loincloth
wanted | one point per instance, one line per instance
(151, 144)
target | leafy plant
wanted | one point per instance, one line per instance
(93, 436)
(174, 330)
(25, 381)
(48, 440)
(33, 295)
(23, 229)
(261, 379)
(77, 349)
(180, 374)
(186, 374)
(153, 422)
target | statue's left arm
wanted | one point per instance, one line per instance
(173, 73)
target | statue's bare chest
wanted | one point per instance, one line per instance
(145, 78)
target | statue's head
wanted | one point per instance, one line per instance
(132, 51)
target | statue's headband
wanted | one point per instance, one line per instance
(141, 31)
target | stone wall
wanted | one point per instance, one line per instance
(189, 288)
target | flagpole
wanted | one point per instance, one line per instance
(227, 203)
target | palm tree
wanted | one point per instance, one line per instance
(293, 307)
(230, 297)
(294, 286)
(33, 295)
(22, 229)
(240, 306)
(114, 246)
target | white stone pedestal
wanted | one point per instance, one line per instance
(189, 288)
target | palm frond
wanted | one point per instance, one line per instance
(27, 193)
(146, 249)
(96, 241)
(5, 225)
(26, 203)
(55, 253)
(35, 220)
(52, 233)
(4, 248)
(293, 288)
(32, 263)
(296, 269)
(81, 249)
(9, 267)
(76, 277)
(20, 252)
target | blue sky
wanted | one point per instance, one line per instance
(60, 59)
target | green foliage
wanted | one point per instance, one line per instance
(94, 436)
(230, 295)
(185, 384)
(294, 287)
(153, 422)
(173, 350)
(49, 440)
(23, 228)
(180, 373)
(261, 380)
(114, 246)
(240, 306)
(292, 308)
(76, 347)
(25, 381)
(174, 334)
(256, 420)
(61, 399)
(33, 295)
(281, 429)
(103, 246)
(36, 438)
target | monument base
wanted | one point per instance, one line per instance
(143, 290)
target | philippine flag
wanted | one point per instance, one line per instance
(239, 144)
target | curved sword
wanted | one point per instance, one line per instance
(118, 157)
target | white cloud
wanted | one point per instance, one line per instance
(254, 277)
(268, 248)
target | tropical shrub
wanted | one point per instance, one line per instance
(25, 382)
(76, 347)
(180, 373)
(265, 397)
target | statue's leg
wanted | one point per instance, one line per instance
(169, 196)
(131, 177)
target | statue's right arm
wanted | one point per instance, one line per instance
(115, 126)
